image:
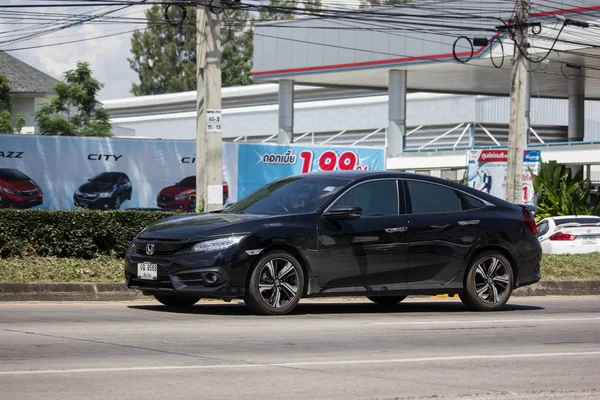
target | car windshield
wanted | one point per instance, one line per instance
(108, 177)
(9, 175)
(189, 182)
(290, 196)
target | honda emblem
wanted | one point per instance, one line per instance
(149, 249)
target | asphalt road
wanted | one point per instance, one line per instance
(537, 348)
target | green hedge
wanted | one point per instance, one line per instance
(71, 233)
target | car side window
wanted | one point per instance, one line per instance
(427, 198)
(473, 202)
(542, 228)
(376, 198)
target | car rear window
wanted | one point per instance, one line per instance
(583, 220)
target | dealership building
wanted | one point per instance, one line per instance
(370, 81)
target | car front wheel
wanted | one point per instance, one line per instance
(489, 282)
(176, 301)
(276, 284)
(117, 205)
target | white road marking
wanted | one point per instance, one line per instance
(488, 321)
(304, 363)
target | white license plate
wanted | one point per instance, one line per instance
(147, 271)
(590, 241)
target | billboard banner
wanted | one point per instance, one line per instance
(259, 164)
(58, 173)
(487, 171)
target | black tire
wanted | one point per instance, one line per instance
(493, 281)
(386, 300)
(192, 204)
(176, 301)
(117, 205)
(286, 286)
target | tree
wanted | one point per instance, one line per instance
(279, 10)
(382, 3)
(74, 110)
(164, 55)
(5, 108)
(5, 105)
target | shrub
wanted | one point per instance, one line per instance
(560, 193)
(71, 233)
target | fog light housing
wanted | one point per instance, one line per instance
(211, 278)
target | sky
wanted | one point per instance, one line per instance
(107, 56)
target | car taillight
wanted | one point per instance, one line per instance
(563, 236)
(529, 222)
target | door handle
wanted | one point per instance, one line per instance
(439, 226)
(397, 229)
(471, 222)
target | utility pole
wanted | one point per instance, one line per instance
(519, 97)
(209, 170)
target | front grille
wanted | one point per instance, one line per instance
(166, 199)
(161, 247)
(88, 196)
(29, 192)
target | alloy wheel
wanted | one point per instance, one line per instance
(492, 280)
(278, 282)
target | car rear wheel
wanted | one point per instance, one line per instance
(489, 282)
(176, 301)
(276, 284)
(386, 300)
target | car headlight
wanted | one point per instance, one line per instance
(181, 196)
(217, 244)
(10, 191)
(104, 195)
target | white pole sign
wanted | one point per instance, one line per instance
(213, 120)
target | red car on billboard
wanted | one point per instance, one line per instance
(17, 190)
(182, 195)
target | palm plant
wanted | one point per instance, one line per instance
(560, 193)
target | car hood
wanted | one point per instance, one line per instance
(175, 190)
(96, 187)
(193, 226)
(19, 185)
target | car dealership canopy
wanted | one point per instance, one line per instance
(461, 47)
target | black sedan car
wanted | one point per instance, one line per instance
(383, 235)
(105, 191)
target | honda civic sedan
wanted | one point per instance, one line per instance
(383, 235)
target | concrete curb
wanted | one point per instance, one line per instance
(118, 291)
(66, 292)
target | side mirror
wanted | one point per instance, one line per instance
(343, 212)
